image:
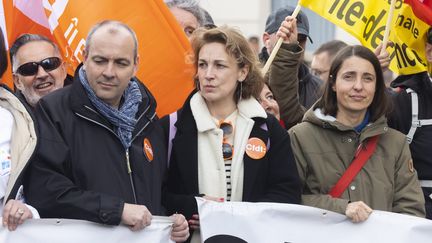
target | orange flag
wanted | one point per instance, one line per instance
(163, 48)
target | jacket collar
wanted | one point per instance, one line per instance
(303, 73)
(81, 104)
(316, 117)
(263, 55)
(248, 108)
(14, 101)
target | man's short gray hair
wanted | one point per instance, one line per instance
(190, 6)
(24, 39)
(116, 24)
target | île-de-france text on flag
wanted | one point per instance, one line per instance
(163, 48)
(366, 20)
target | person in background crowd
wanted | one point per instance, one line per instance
(347, 121)
(416, 92)
(268, 101)
(17, 143)
(101, 155)
(189, 15)
(283, 74)
(254, 44)
(323, 57)
(208, 20)
(309, 86)
(37, 66)
(220, 150)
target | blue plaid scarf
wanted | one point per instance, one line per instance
(123, 118)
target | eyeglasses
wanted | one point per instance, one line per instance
(429, 36)
(31, 68)
(227, 148)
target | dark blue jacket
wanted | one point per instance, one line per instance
(80, 168)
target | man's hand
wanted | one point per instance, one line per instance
(384, 58)
(14, 214)
(136, 216)
(288, 30)
(194, 222)
(358, 211)
(180, 229)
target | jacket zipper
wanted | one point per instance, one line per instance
(129, 169)
(130, 175)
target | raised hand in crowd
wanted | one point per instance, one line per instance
(358, 211)
(15, 213)
(288, 30)
(384, 57)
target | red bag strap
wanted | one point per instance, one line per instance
(362, 155)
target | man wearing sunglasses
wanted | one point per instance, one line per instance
(101, 157)
(37, 67)
(412, 115)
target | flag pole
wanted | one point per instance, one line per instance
(278, 45)
(388, 26)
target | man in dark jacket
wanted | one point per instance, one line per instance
(101, 156)
(418, 127)
(309, 85)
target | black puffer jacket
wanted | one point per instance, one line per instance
(80, 169)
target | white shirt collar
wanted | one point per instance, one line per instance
(248, 108)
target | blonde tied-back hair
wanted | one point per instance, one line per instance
(237, 46)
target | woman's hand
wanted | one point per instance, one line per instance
(14, 214)
(358, 211)
(194, 221)
(180, 229)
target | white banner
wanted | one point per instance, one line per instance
(237, 222)
(73, 231)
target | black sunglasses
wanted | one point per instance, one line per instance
(227, 149)
(31, 68)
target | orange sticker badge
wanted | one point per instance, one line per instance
(256, 148)
(148, 150)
